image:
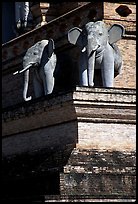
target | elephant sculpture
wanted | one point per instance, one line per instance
(98, 51)
(42, 59)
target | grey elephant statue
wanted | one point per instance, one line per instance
(42, 59)
(98, 51)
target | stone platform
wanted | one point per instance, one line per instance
(80, 143)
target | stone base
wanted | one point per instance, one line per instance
(84, 139)
(99, 174)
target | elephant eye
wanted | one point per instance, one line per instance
(100, 33)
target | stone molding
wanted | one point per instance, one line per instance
(85, 116)
(83, 104)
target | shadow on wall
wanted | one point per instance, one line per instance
(66, 73)
(34, 177)
(8, 21)
(32, 173)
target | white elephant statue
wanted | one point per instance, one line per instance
(98, 51)
(42, 59)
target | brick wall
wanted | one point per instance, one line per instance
(127, 78)
(127, 45)
(110, 15)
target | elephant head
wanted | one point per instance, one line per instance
(40, 57)
(93, 40)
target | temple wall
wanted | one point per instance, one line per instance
(78, 143)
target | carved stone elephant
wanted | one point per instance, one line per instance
(42, 59)
(98, 51)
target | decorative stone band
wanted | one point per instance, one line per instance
(90, 117)
(83, 104)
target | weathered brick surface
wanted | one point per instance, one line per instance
(110, 15)
(39, 137)
(44, 138)
(94, 135)
(127, 78)
(102, 174)
(108, 185)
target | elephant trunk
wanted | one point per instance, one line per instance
(91, 52)
(26, 81)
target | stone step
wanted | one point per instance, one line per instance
(61, 198)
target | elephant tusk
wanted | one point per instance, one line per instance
(28, 98)
(17, 72)
(84, 49)
(23, 70)
(93, 50)
(26, 86)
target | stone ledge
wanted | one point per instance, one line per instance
(66, 198)
(88, 104)
(82, 198)
(101, 161)
(94, 118)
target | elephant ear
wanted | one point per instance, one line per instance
(51, 47)
(75, 36)
(116, 32)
